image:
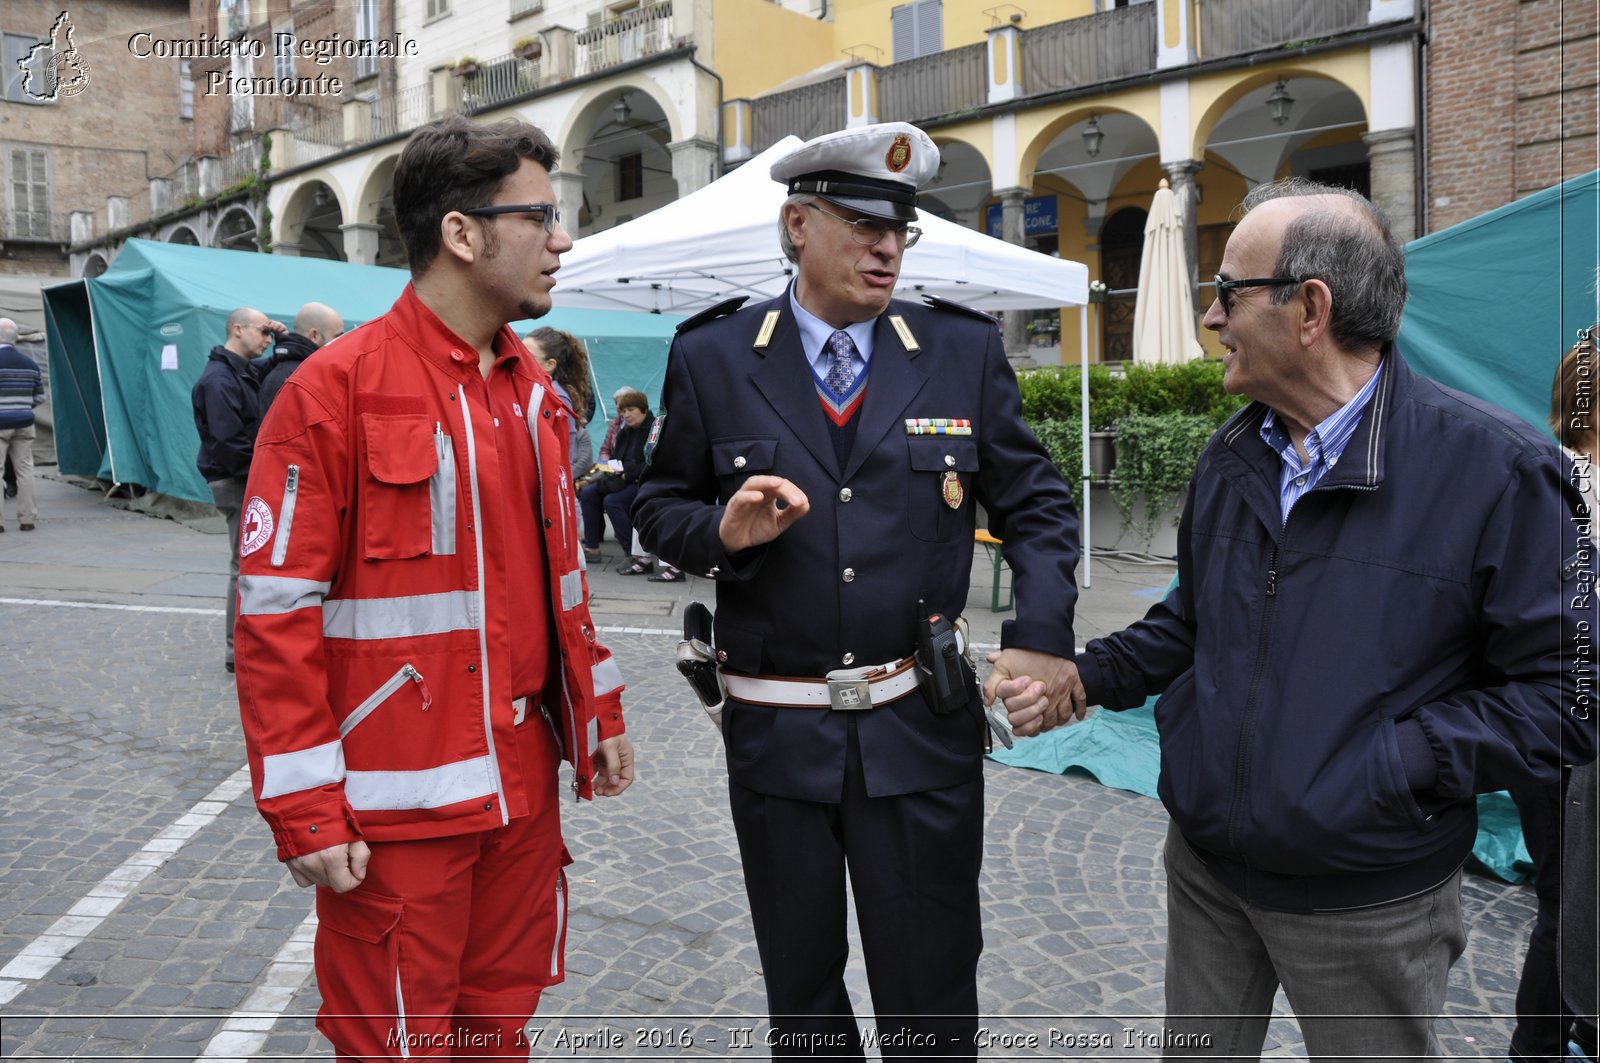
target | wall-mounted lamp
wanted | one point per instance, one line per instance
(1280, 101)
(1092, 136)
(621, 111)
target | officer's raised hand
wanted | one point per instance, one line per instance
(1040, 691)
(754, 515)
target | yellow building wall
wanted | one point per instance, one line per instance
(760, 45)
(868, 22)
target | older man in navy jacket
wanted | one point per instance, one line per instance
(1383, 609)
(822, 458)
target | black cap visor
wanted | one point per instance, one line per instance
(880, 199)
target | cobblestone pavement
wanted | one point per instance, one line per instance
(142, 915)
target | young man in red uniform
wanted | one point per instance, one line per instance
(415, 651)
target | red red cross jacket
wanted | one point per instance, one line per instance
(374, 627)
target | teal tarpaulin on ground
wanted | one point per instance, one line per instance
(126, 348)
(1497, 300)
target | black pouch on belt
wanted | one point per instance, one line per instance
(939, 671)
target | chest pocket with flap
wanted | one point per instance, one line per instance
(396, 511)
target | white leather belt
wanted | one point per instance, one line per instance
(843, 689)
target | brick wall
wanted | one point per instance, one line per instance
(1511, 102)
(122, 129)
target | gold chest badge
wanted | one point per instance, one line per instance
(952, 491)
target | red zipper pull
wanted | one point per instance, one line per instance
(422, 685)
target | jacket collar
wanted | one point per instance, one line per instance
(412, 323)
(784, 378)
(1362, 463)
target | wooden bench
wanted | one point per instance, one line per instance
(996, 551)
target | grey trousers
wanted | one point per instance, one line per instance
(228, 496)
(1364, 984)
(18, 442)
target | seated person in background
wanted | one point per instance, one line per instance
(613, 493)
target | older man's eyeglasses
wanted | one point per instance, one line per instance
(1225, 288)
(544, 213)
(870, 231)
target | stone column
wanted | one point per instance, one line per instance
(1181, 175)
(560, 54)
(80, 227)
(1011, 231)
(1392, 156)
(694, 164)
(361, 242)
(569, 192)
(1005, 63)
(116, 213)
(1174, 33)
(210, 168)
(738, 131)
(861, 95)
(356, 122)
(160, 196)
(280, 154)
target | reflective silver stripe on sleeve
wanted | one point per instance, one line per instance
(398, 618)
(291, 491)
(572, 590)
(442, 495)
(607, 677)
(271, 595)
(304, 769)
(429, 788)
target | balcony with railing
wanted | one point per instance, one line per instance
(808, 111)
(633, 35)
(498, 80)
(1237, 27)
(36, 226)
(943, 83)
(1089, 50)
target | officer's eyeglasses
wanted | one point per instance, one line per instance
(870, 231)
(1225, 289)
(544, 213)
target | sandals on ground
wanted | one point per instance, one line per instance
(634, 567)
(591, 554)
(668, 575)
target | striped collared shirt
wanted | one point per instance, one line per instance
(1324, 445)
(21, 387)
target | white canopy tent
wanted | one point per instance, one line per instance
(722, 241)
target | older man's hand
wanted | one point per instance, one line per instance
(1040, 691)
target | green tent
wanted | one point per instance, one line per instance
(126, 348)
(1497, 300)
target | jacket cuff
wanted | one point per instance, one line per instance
(1091, 676)
(1416, 756)
(312, 828)
(608, 717)
(1057, 641)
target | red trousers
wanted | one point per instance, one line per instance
(443, 950)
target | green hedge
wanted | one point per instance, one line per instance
(1162, 414)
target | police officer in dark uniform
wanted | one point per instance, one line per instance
(822, 458)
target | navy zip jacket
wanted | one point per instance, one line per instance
(227, 413)
(1338, 688)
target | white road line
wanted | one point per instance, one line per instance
(245, 1032)
(108, 605)
(40, 956)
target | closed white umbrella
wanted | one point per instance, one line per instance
(1163, 316)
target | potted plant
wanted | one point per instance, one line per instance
(527, 48)
(464, 67)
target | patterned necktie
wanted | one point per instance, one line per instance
(841, 374)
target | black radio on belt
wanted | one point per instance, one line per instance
(939, 662)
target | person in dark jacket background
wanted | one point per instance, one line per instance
(614, 494)
(227, 412)
(1371, 627)
(315, 325)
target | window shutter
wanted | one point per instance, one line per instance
(904, 31)
(930, 26)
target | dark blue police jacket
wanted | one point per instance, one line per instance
(885, 531)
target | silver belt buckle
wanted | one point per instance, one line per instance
(849, 691)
